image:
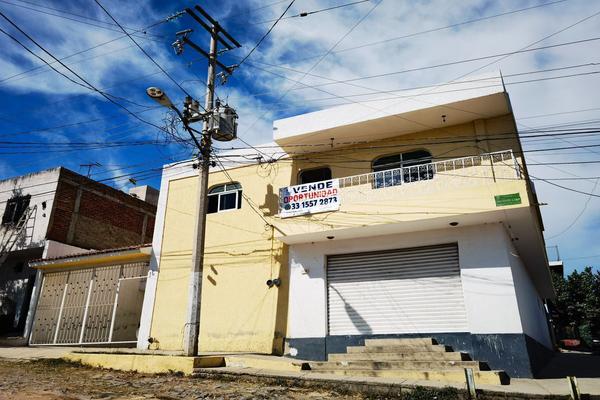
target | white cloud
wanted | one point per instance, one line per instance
(297, 43)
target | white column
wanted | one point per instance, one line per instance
(35, 294)
(85, 311)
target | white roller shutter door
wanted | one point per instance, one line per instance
(415, 290)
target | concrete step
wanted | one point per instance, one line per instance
(401, 342)
(265, 362)
(451, 375)
(424, 356)
(399, 349)
(391, 365)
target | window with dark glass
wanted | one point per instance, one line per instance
(15, 208)
(314, 175)
(224, 197)
(401, 168)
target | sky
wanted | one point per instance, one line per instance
(68, 124)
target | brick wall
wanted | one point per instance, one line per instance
(64, 203)
(90, 214)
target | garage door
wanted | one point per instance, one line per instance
(416, 290)
(97, 305)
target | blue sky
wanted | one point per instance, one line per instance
(36, 103)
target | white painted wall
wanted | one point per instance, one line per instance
(486, 277)
(54, 249)
(300, 126)
(177, 171)
(531, 307)
(42, 187)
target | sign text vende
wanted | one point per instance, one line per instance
(309, 198)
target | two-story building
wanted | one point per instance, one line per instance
(52, 213)
(399, 218)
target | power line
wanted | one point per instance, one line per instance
(307, 13)
(449, 63)
(455, 25)
(454, 83)
(578, 22)
(305, 73)
(142, 49)
(521, 49)
(507, 135)
(559, 113)
(151, 172)
(565, 187)
(70, 18)
(91, 87)
(413, 88)
(170, 18)
(69, 125)
(41, 59)
(266, 34)
(244, 196)
(585, 206)
(64, 75)
(425, 94)
(322, 57)
(581, 258)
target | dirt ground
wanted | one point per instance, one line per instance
(55, 379)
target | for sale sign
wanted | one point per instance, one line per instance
(309, 198)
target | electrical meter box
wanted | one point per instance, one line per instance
(223, 124)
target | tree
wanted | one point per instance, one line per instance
(576, 309)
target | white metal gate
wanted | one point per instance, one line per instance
(96, 305)
(416, 290)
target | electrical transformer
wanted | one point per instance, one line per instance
(223, 123)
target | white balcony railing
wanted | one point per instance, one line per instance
(411, 182)
(428, 171)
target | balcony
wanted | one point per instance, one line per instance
(467, 190)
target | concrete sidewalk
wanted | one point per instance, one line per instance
(31, 353)
(551, 386)
(590, 386)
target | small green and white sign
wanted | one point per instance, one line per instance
(507, 199)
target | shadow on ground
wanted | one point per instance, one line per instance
(572, 364)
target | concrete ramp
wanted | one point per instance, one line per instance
(146, 363)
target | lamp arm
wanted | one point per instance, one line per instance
(188, 128)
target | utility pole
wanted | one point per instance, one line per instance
(218, 123)
(192, 327)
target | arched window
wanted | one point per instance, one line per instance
(395, 169)
(224, 197)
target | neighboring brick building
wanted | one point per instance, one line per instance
(53, 213)
(89, 214)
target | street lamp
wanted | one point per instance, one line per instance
(161, 97)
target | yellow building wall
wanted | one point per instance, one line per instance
(480, 136)
(239, 312)
(170, 304)
(463, 191)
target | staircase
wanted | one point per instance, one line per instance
(14, 233)
(420, 359)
